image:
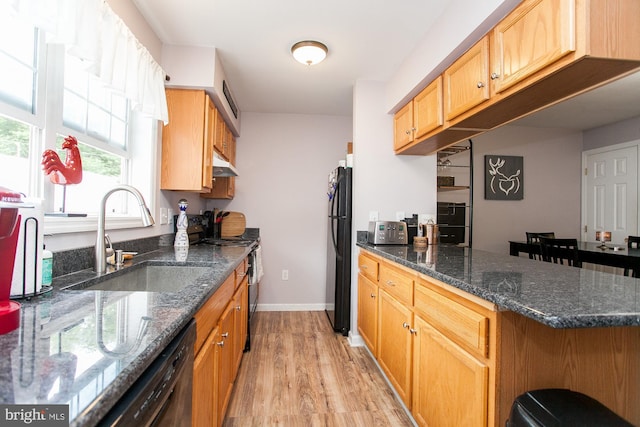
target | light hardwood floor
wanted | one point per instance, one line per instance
(300, 373)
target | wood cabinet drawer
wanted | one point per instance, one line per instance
(463, 325)
(368, 267)
(209, 314)
(397, 283)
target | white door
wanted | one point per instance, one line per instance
(611, 193)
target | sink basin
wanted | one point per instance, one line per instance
(149, 278)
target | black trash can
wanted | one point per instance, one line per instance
(561, 408)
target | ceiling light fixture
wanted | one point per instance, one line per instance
(309, 52)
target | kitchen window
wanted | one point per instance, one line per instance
(47, 95)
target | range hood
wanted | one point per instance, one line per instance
(222, 168)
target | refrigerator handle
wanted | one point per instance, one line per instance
(333, 230)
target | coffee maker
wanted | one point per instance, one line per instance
(10, 203)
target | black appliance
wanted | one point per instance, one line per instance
(338, 301)
(451, 222)
(162, 395)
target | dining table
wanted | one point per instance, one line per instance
(590, 252)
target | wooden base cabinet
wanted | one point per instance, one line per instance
(435, 344)
(455, 360)
(368, 313)
(205, 383)
(395, 344)
(226, 362)
(450, 385)
(221, 331)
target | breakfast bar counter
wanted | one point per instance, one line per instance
(518, 324)
(554, 295)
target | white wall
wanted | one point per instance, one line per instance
(552, 183)
(459, 27)
(383, 182)
(283, 163)
(615, 133)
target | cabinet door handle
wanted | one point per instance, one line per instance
(373, 296)
(225, 335)
(494, 76)
(407, 132)
(390, 283)
(480, 85)
(406, 325)
(413, 331)
(221, 343)
(238, 308)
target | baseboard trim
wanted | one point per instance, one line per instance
(355, 340)
(291, 307)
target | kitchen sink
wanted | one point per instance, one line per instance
(148, 278)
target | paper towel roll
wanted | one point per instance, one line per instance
(27, 271)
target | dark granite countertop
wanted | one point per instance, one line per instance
(555, 295)
(79, 347)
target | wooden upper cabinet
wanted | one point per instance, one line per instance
(466, 80)
(421, 115)
(187, 149)
(427, 109)
(403, 126)
(224, 139)
(207, 152)
(531, 38)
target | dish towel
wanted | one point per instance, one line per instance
(259, 272)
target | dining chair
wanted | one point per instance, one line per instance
(534, 239)
(633, 242)
(560, 251)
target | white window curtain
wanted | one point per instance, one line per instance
(91, 31)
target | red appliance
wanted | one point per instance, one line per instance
(9, 310)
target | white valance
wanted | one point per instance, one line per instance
(92, 32)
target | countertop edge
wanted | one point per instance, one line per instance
(504, 302)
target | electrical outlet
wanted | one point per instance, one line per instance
(285, 274)
(170, 216)
(373, 215)
(400, 216)
(164, 217)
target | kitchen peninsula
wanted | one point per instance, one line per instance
(55, 357)
(505, 324)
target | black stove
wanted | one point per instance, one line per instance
(199, 233)
(227, 241)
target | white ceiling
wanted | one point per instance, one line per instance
(367, 39)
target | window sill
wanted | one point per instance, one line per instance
(61, 225)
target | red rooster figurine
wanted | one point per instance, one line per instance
(69, 172)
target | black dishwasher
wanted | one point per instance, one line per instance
(162, 394)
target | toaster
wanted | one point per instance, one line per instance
(387, 233)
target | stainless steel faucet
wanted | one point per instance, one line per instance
(147, 221)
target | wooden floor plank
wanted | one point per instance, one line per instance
(300, 373)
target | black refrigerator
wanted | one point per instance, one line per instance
(338, 302)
